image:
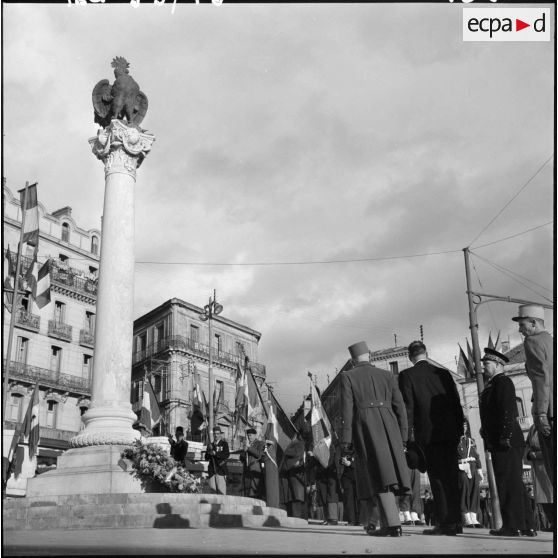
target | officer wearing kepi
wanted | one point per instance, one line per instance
(504, 440)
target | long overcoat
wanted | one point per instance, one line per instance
(293, 468)
(375, 421)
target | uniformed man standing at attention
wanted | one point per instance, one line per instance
(504, 440)
(251, 458)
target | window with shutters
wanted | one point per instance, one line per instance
(65, 232)
(59, 312)
(51, 414)
(55, 358)
(22, 349)
(15, 405)
(94, 245)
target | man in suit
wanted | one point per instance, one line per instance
(217, 453)
(374, 420)
(178, 451)
(436, 423)
(539, 363)
(504, 440)
(251, 457)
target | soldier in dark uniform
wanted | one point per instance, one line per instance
(217, 453)
(375, 421)
(251, 457)
(504, 440)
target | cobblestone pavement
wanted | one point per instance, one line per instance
(311, 540)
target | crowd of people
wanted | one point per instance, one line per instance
(394, 429)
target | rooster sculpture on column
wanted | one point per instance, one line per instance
(122, 100)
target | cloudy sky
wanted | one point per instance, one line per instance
(303, 133)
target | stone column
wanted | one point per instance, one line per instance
(109, 419)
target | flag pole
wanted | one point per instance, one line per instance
(14, 307)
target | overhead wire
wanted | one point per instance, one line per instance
(514, 273)
(518, 281)
(512, 199)
(512, 236)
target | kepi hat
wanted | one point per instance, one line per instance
(251, 431)
(360, 348)
(530, 311)
(179, 430)
(415, 457)
(491, 354)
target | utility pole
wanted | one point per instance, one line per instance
(209, 310)
(473, 326)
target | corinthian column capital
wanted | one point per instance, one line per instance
(121, 148)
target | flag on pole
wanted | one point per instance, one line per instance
(241, 398)
(9, 280)
(30, 426)
(199, 405)
(471, 360)
(490, 342)
(150, 415)
(253, 396)
(278, 427)
(464, 367)
(31, 209)
(321, 429)
(38, 281)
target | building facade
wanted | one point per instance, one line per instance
(54, 345)
(171, 343)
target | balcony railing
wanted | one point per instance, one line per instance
(27, 320)
(64, 275)
(49, 378)
(181, 343)
(60, 330)
(86, 338)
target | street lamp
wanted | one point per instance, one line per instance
(210, 310)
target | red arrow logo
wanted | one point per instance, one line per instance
(519, 25)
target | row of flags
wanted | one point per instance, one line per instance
(466, 362)
(36, 279)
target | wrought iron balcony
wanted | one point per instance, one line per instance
(86, 338)
(26, 320)
(60, 330)
(186, 344)
(65, 276)
(49, 378)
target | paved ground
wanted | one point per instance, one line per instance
(312, 540)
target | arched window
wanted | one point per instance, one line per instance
(65, 232)
(94, 245)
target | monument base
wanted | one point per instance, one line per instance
(88, 470)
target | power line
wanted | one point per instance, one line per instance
(517, 280)
(514, 273)
(303, 262)
(513, 198)
(513, 235)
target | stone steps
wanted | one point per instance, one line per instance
(163, 511)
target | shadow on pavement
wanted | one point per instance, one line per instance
(169, 520)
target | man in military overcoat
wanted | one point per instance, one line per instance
(251, 457)
(374, 421)
(539, 364)
(504, 440)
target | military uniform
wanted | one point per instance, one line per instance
(503, 438)
(251, 458)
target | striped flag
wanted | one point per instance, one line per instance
(278, 428)
(199, 405)
(464, 367)
(31, 209)
(471, 360)
(150, 415)
(321, 429)
(38, 281)
(30, 426)
(9, 280)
